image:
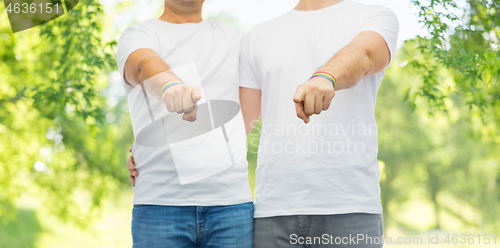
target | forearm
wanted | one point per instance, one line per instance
(250, 100)
(146, 68)
(367, 54)
(349, 65)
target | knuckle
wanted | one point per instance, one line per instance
(176, 90)
(331, 92)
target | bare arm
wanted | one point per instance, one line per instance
(367, 54)
(143, 64)
(146, 67)
(250, 100)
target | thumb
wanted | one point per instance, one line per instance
(196, 94)
(299, 95)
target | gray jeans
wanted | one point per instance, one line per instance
(340, 230)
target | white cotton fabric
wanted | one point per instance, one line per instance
(208, 168)
(328, 166)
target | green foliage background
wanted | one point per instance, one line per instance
(53, 110)
(438, 115)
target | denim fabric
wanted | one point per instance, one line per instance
(156, 226)
(360, 230)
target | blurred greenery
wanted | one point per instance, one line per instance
(28, 223)
(463, 37)
(53, 110)
(61, 104)
(442, 154)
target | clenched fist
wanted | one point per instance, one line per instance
(313, 97)
(182, 99)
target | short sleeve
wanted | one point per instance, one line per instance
(383, 21)
(135, 37)
(248, 78)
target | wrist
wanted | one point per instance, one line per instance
(326, 75)
(168, 84)
(153, 85)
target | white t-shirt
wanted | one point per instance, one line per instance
(189, 163)
(328, 166)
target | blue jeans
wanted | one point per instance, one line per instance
(156, 226)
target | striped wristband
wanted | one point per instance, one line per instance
(168, 84)
(327, 76)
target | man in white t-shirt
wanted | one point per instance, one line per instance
(317, 176)
(181, 77)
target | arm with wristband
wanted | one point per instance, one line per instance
(146, 68)
(367, 54)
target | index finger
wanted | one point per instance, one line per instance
(191, 116)
(299, 108)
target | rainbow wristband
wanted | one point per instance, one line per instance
(168, 84)
(327, 76)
